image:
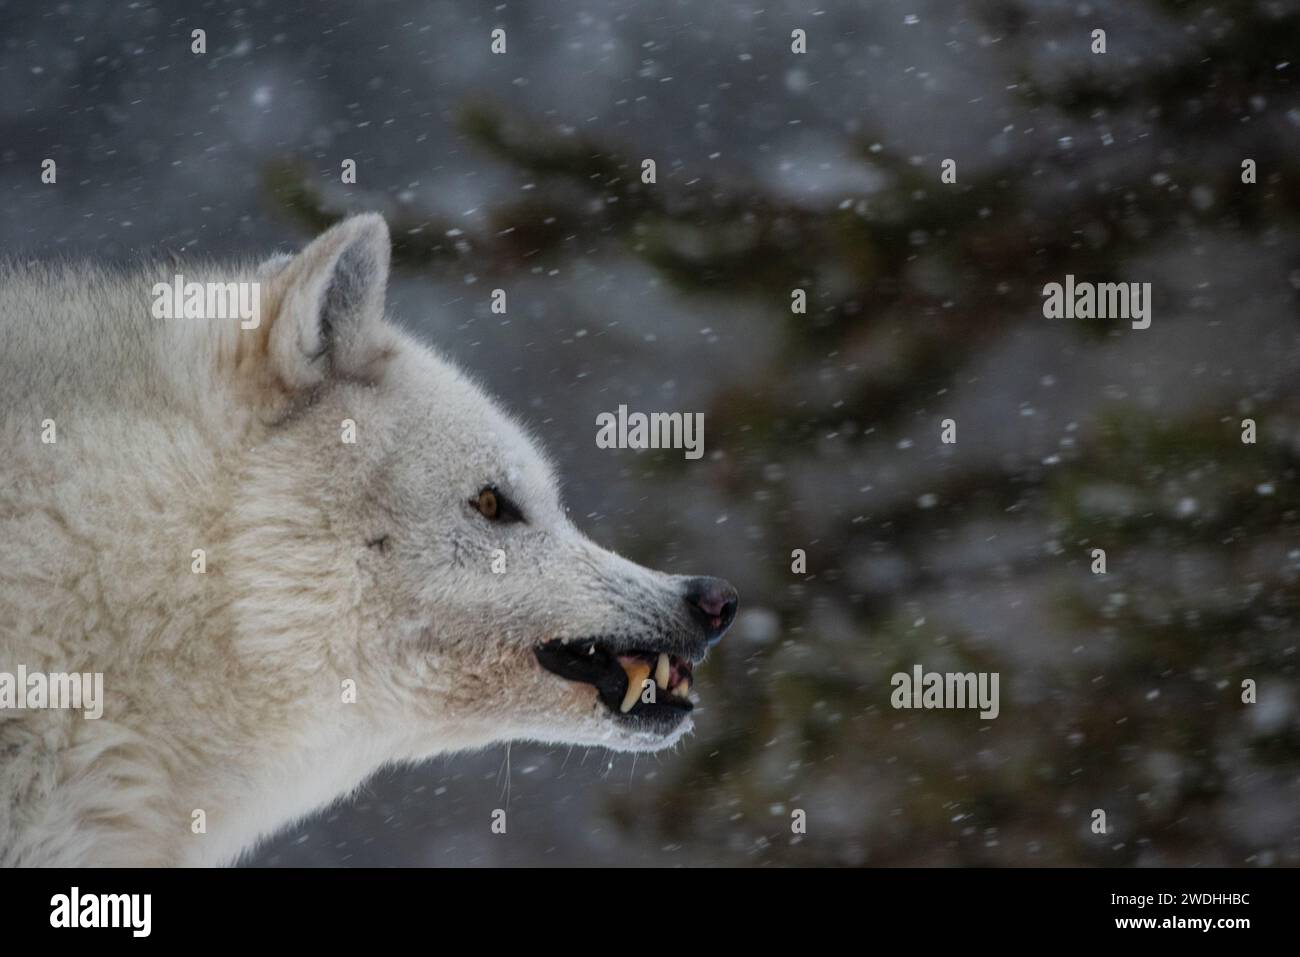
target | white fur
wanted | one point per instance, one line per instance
(223, 690)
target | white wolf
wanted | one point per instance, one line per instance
(349, 606)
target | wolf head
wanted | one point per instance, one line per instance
(393, 511)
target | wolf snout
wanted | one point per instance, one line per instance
(712, 602)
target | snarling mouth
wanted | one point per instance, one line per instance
(636, 684)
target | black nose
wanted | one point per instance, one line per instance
(713, 604)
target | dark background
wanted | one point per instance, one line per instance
(778, 171)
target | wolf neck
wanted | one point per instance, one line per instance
(126, 525)
(251, 801)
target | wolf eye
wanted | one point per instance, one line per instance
(495, 507)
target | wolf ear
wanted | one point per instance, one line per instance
(329, 305)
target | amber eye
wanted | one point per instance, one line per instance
(487, 504)
(493, 505)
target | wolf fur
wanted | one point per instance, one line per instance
(326, 562)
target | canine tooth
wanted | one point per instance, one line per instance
(636, 675)
(683, 688)
(663, 671)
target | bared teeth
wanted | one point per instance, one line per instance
(663, 671)
(683, 688)
(637, 672)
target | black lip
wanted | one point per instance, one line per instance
(592, 661)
